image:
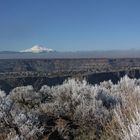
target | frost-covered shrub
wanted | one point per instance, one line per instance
(25, 95)
(46, 93)
(2, 94)
(104, 111)
(74, 99)
(81, 102)
(126, 115)
(19, 113)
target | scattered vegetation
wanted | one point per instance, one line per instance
(74, 110)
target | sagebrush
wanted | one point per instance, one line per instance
(74, 110)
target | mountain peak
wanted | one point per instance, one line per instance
(37, 49)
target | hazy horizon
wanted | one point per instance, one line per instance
(72, 55)
(74, 51)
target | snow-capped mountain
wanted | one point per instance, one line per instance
(38, 49)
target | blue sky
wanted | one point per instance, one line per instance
(70, 25)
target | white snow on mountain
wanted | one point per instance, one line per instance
(38, 49)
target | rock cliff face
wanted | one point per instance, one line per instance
(37, 82)
(96, 78)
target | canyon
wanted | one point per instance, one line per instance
(51, 72)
